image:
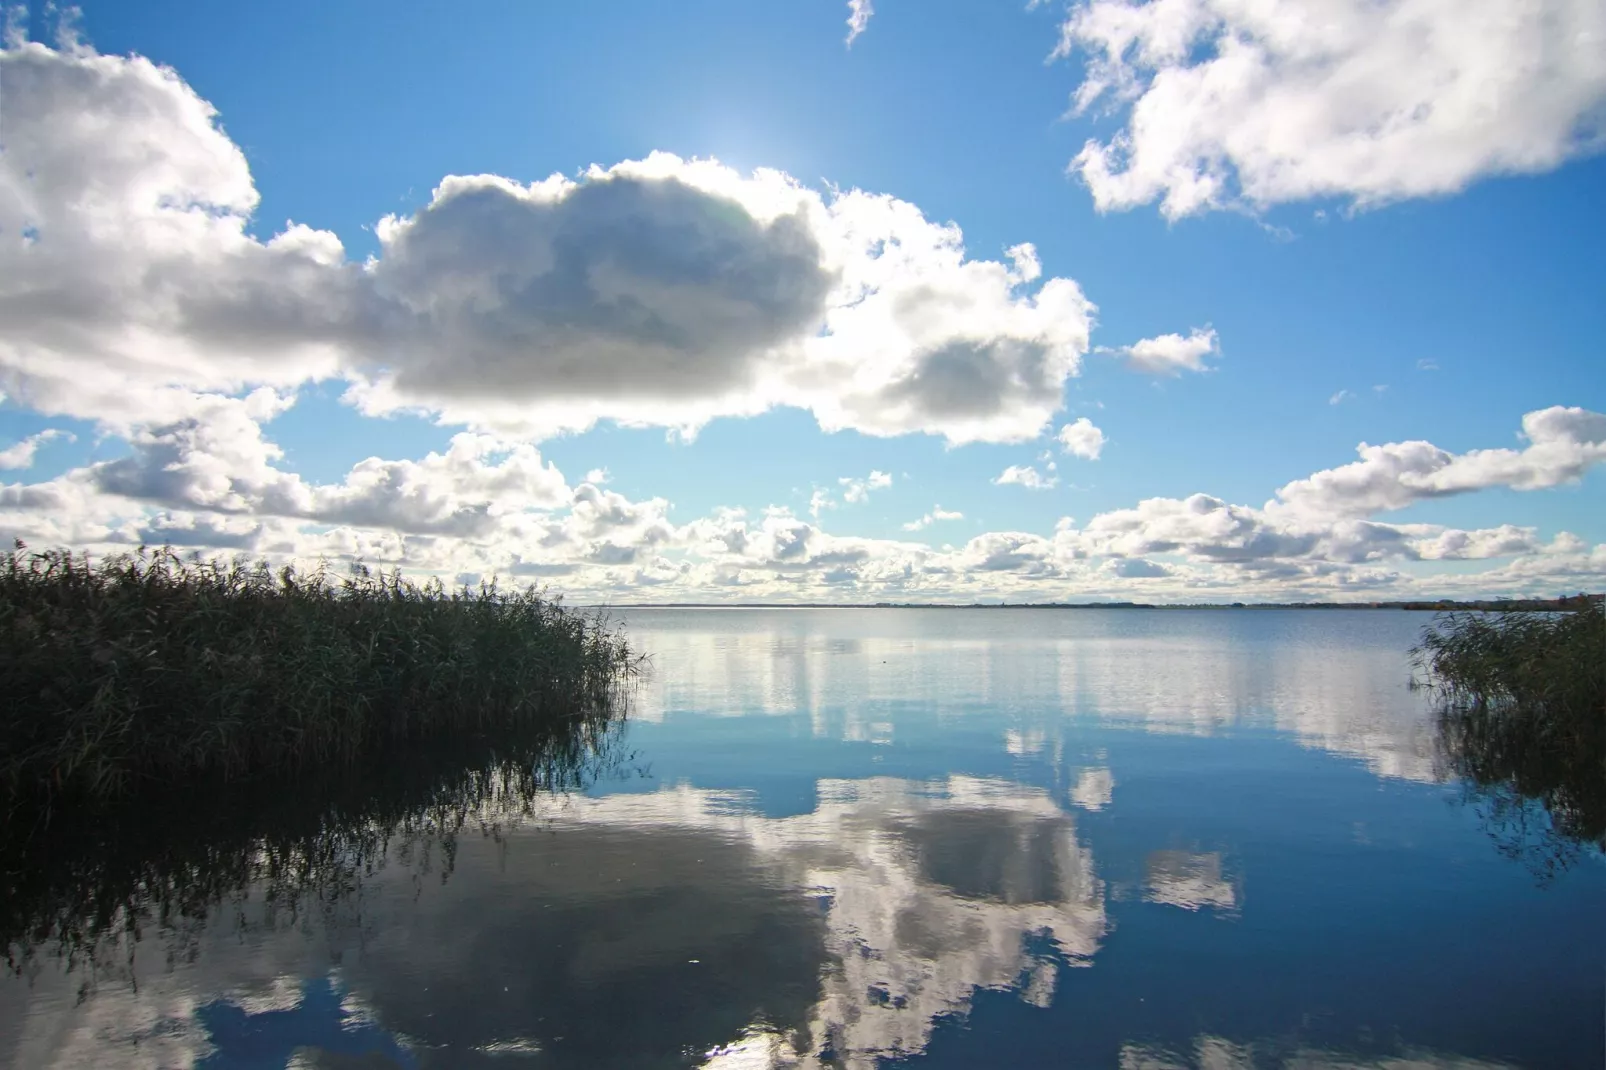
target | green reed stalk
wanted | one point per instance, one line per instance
(1522, 710)
(148, 668)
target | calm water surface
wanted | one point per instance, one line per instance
(859, 838)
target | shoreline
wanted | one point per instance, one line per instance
(1501, 605)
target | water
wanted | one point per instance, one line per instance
(952, 838)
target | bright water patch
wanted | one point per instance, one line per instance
(858, 838)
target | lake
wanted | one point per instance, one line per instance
(856, 838)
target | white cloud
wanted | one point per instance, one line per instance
(1026, 476)
(858, 490)
(937, 513)
(859, 12)
(1015, 552)
(1082, 439)
(477, 480)
(1563, 443)
(920, 338)
(1171, 354)
(598, 476)
(138, 274)
(854, 491)
(21, 454)
(1341, 397)
(216, 459)
(213, 481)
(663, 292)
(1228, 103)
(657, 292)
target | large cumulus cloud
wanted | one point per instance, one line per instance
(654, 292)
(124, 261)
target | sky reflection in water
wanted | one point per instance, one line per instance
(959, 838)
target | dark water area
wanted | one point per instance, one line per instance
(858, 838)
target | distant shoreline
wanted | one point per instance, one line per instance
(1564, 604)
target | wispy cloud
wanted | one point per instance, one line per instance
(857, 490)
(1341, 397)
(937, 513)
(21, 454)
(854, 491)
(859, 12)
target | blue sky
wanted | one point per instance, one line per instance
(1256, 250)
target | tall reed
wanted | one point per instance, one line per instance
(1522, 715)
(149, 668)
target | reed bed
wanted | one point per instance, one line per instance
(1522, 713)
(149, 669)
(1536, 661)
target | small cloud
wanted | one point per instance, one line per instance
(854, 491)
(1340, 397)
(1027, 267)
(1082, 439)
(1381, 388)
(937, 513)
(859, 12)
(857, 490)
(599, 476)
(21, 454)
(1427, 365)
(1026, 476)
(1169, 354)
